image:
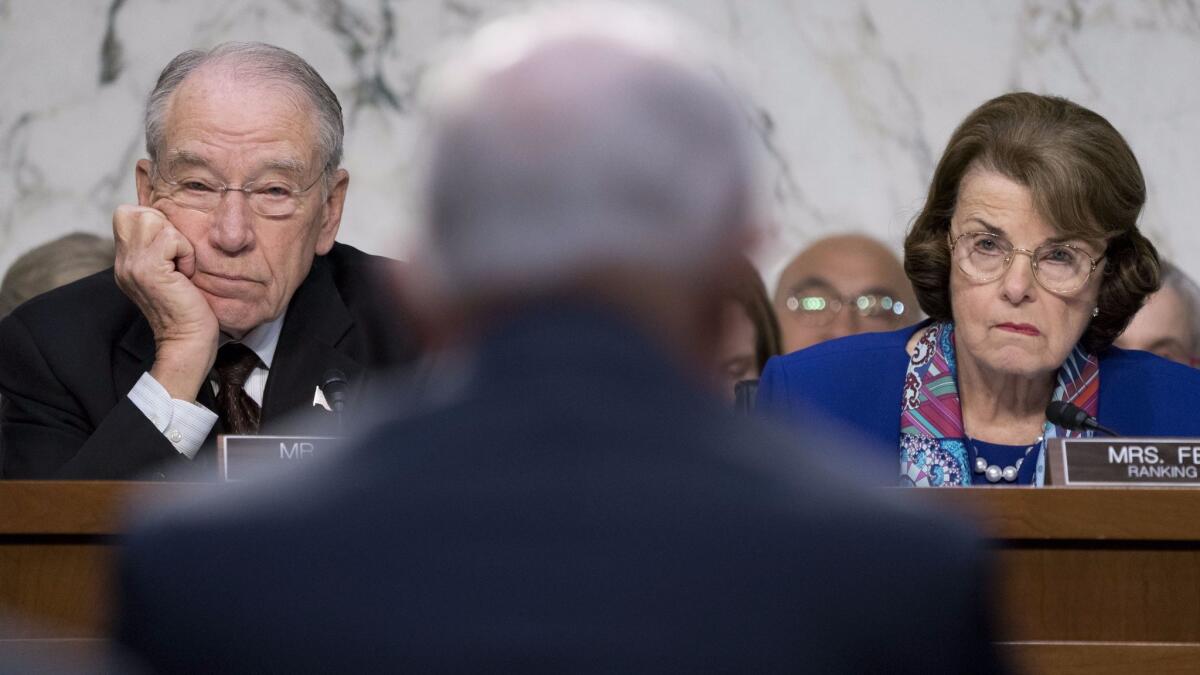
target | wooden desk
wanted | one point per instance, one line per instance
(57, 541)
(1091, 580)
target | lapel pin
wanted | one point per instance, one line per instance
(319, 399)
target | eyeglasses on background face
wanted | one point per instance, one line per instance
(818, 307)
(193, 189)
(1057, 267)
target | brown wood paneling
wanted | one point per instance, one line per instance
(57, 589)
(57, 544)
(1120, 594)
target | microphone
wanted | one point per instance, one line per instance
(334, 385)
(1074, 418)
(744, 393)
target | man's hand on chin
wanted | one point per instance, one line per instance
(154, 266)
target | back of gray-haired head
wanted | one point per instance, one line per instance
(53, 264)
(1189, 294)
(583, 138)
(254, 59)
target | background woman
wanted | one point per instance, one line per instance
(749, 331)
(1028, 261)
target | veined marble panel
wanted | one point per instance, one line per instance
(853, 101)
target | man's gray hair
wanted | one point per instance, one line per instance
(1189, 294)
(582, 138)
(258, 60)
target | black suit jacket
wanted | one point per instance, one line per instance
(579, 507)
(69, 358)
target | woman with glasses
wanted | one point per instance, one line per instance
(1029, 263)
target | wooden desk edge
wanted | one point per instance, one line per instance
(1102, 514)
(79, 507)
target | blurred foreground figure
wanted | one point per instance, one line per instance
(580, 503)
(53, 264)
(839, 286)
(1169, 323)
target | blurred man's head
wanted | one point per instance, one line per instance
(839, 286)
(579, 151)
(1169, 323)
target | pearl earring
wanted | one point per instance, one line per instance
(1095, 312)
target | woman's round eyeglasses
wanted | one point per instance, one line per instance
(1058, 268)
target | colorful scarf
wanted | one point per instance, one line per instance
(933, 451)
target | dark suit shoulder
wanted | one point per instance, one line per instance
(346, 256)
(368, 287)
(87, 306)
(360, 276)
(68, 334)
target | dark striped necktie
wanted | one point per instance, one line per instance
(239, 413)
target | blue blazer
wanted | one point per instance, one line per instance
(857, 382)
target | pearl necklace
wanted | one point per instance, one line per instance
(994, 473)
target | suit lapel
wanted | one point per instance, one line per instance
(316, 321)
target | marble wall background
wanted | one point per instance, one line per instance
(854, 100)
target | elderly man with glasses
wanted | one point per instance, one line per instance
(230, 301)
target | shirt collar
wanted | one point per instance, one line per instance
(262, 340)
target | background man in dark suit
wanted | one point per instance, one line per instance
(582, 501)
(228, 258)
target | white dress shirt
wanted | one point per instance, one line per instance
(186, 424)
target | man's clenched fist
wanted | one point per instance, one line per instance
(154, 266)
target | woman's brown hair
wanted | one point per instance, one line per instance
(1083, 178)
(746, 289)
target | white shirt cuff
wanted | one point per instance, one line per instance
(183, 423)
